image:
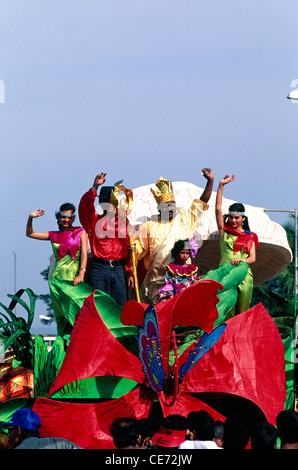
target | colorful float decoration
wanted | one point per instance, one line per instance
(175, 357)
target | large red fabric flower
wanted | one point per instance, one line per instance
(236, 365)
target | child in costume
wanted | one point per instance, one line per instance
(180, 274)
(237, 244)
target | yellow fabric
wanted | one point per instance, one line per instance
(177, 273)
(154, 241)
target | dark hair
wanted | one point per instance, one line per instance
(238, 207)
(202, 423)
(287, 425)
(105, 193)
(237, 432)
(176, 422)
(67, 206)
(125, 432)
(151, 425)
(180, 245)
(264, 436)
(218, 429)
(29, 433)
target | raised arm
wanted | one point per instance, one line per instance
(29, 228)
(218, 204)
(86, 208)
(98, 181)
(207, 173)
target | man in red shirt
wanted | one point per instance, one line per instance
(110, 270)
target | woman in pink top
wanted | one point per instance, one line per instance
(69, 245)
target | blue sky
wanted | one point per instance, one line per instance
(140, 89)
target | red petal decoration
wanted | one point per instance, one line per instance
(87, 424)
(247, 361)
(93, 351)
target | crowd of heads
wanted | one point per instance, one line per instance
(198, 430)
(236, 432)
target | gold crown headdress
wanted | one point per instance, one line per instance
(121, 203)
(164, 192)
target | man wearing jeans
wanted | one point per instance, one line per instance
(110, 270)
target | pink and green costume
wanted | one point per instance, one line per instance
(237, 244)
(67, 251)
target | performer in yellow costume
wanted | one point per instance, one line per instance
(155, 238)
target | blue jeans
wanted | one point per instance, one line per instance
(111, 280)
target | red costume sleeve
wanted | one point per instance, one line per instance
(112, 247)
(87, 213)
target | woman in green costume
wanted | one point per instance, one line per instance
(237, 244)
(70, 250)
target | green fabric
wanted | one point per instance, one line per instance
(245, 288)
(66, 267)
(94, 388)
(46, 364)
(290, 371)
(226, 244)
(230, 277)
(70, 300)
(8, 408)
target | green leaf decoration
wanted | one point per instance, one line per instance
(47, 364)
(15, 363)
(30, 309)
(15, 330)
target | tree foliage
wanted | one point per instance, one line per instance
(278, 294)
(46, 298)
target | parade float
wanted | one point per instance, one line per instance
(141, 360)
